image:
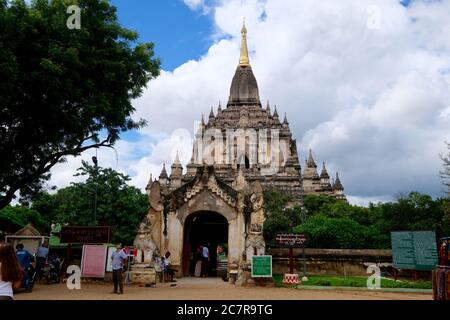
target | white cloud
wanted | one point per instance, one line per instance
(197, 5)
(373, 103)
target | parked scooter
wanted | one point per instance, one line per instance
(52, 270)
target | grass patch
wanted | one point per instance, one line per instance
(356, 281)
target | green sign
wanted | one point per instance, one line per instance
(262, 266)
(414, 250)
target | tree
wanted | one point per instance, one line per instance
(334, 233)
(117, 204)
(63, 91)
(445, 173)
(20, 216)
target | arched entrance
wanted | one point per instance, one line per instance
(203, 228)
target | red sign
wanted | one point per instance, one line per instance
(93, 261)
(130, 251)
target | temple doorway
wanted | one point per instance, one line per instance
(205, 228)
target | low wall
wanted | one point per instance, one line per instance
(330, 261)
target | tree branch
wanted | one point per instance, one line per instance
(45, 166)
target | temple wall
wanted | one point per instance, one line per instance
(330, 261)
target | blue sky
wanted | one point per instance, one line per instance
(363, 84)
(179, 33)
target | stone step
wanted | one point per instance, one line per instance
(149, 276)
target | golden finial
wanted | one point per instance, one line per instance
(243, 60)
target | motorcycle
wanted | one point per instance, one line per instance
(52, 270)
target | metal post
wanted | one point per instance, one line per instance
(94, 159)
(302, 216)
(291, 260)
(303, 248)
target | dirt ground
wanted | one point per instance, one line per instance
(204, 289)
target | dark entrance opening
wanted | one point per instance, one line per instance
(206, 228)
(243, 161)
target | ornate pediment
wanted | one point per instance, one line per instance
(205, 179)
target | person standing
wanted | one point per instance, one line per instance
(25, 259)
(198, 261)
(205, 261)
(9, 272)
(119, 260)
(41, 257)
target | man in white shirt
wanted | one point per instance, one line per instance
(168, 267)
(119, 259)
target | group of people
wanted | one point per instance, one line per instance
(17, 267)
(202, 258)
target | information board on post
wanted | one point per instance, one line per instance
(291, 240)
(262, 267)
(414, 250)
(85, 235)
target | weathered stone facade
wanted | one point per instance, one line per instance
(242, 150)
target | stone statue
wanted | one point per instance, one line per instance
(257, 217)
(255, 240)
(144, 240)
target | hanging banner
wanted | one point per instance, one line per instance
(93, 261)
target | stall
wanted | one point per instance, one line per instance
(441, 275)
(29, 237)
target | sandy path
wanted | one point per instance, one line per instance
(205, 289)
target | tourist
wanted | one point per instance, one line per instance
(168, 267)
(26, 261)
(41, 257)
(9, 272)
(205, 262)
(119, 260)
(198, 261)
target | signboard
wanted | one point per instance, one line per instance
(262, 266)
(109, 260)
(414, 250)
(291, 240)
(85, 235)
(93, 261)
(130, 251)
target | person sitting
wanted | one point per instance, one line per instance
(168, 271)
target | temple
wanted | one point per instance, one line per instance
(241, 150)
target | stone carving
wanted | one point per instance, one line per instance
(144, 240)
(240, 183)
(257, 216)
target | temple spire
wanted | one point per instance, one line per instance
(337, 183)
(244, 60)
(311, 163)
(285, 121)
(177, 159)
